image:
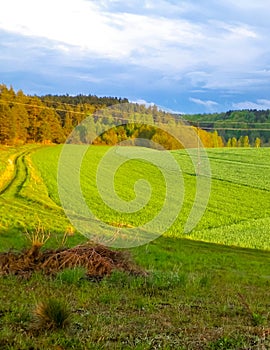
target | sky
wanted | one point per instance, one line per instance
(185, 56)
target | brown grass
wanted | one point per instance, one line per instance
(50, 314)
(98, 260)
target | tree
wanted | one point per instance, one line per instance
(7, 122)
(7, 128)
(21, 118)
(110, 137)
(217, 140)
(234, 142)
(34, 108)
(90, 129)
(246, 141)
(257, 142)
(240, 142)
(49, 129)
(21, 123)
(68, 122)
(229, 143)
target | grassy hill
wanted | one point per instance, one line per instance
(238, 210)
(197, 295)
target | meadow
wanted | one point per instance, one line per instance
(238, 209)
(205, 289)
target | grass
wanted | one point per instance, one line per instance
(50, 314)
(190, 300)
(197, 295)
(8, 158)
(25, 203)
(238, 210)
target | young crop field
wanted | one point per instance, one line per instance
(24, 199)
(238, 210)
(203, 289)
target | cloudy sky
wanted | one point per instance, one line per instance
(187, 56)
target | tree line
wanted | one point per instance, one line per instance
(33, 119)
(107, 120)
(99, 120)
(233, 126)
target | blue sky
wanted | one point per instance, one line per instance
(186, 56)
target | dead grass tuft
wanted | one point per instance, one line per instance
(51, 314)
(98, 260)
(38, 237)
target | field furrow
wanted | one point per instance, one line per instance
(24, 200)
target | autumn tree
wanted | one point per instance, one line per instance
(7, 129)
(246, 141)
(229, 143)
(234, 142)
(257, 142)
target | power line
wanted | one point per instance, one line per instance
(240, 129)
(43, 107)
(223, 122)
(125, 119)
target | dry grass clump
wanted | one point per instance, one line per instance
(38, 237)
(51, 314)
(98, 260)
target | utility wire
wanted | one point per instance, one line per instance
(125, 119)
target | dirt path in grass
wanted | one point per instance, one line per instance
(23, 185)
(24, 199)
(17, 178)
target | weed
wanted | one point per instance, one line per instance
(256, 318)
(38, 237)
(70, 231)
(227, 343)
(72, 275)
(165, 280)
(51, 314)
(118, 278)
(204, 281)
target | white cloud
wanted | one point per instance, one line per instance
(248, 5)
(87, 26)
(171, 47)
(259, 104)
(207, 104)
(235, 30)
(167, 44)
(143, 102)
(166, 7)
(76, 23)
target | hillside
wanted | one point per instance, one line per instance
(51, 119)
(238, 176)
(196, 295)
(234, 124)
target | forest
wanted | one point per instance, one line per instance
(233, 126)
(52, 118)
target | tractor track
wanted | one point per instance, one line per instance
(16, 183)
(14, 178)
(13, 188)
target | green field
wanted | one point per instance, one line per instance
(206, 289)
(238, 210)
